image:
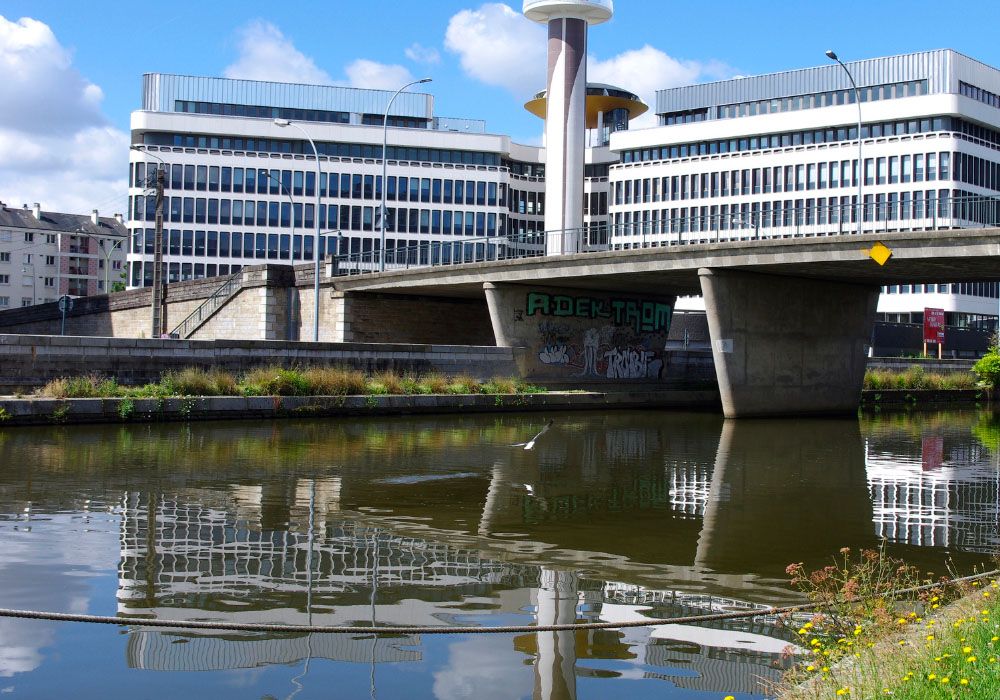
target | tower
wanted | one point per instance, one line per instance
(565, 122)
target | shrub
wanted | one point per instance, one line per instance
(435, 384)
(499, 385)
(988, 368)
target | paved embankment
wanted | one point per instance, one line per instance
(36, 411)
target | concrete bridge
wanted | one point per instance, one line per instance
(790, 318)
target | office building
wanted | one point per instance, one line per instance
(241, 189)
(45, 255)
(777, 155)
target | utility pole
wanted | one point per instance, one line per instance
(159, 319)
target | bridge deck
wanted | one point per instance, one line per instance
(918, 257)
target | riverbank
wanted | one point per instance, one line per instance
(954, 653)
(47, 411)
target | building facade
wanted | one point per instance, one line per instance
(777, 155)
(45, 255)
(242, 190)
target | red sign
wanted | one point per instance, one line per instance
(934, 326)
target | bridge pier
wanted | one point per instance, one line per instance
(787, 346)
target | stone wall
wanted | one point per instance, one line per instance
(29, 361)
(385, 318)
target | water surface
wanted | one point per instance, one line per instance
(444, 521)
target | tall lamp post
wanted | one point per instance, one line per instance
(385, 181)
(159, 287)
(316, 244)
(832, 55)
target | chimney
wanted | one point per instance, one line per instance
(120, 219)
(94, 218)
(37, 211)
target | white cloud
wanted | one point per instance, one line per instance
(40, 90)
(427, 55)
(499, 46)
(363, 73)
(266, 54)
(646, 70)
(58, 148)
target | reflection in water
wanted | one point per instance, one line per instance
(436, 522)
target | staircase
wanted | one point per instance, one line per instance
(226, 291)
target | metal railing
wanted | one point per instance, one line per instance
(762, 222)
(228, 289)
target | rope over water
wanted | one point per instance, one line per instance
(411, 630)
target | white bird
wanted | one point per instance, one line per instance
(530, 445)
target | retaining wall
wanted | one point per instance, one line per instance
(28, 361)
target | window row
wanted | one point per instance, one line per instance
(890, 170)
(793, 138)
(978, 94)
(990, 290)
(238, 212)
(870, 93)
(527, 203)
(261, 112)
(325, 148)
(926, 208)
(226, 244)
(298, 183)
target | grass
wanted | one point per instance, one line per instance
(281, 381)
(915, 378)
(954, 653)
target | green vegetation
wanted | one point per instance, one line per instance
(988, 368)
(279, 381)
(915, 378)
(870, 644)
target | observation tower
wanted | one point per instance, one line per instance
(566, 115)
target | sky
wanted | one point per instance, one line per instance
(70, 71)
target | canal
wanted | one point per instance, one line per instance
(449, 521)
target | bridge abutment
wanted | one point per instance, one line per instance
(787, 346)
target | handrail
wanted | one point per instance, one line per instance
(928, 213)
(225, 291)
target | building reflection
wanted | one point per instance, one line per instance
(938, 488)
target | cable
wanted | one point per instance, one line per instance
(413, 630)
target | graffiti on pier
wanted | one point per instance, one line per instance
(633, 363)
(642, 316)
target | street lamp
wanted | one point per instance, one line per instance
(316, 245)
(831, 54)
(118, 240)
(385, 181)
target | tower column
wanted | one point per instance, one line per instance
(566, 114)
(565, 133)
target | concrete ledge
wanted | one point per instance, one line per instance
(19, 412)
(923, 398)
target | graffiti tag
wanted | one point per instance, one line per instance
(632, 363)
(645, 316)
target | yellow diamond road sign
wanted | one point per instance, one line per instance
(879, 253)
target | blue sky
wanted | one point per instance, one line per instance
(81, 67)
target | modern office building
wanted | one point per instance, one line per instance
(45, 254)
(241, 189)
(777, 155)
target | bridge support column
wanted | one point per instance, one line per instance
(786, 345)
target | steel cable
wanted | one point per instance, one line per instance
(416, 630)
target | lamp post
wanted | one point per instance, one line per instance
(316, 244)
(385, 181)
(831, 54)
(159, 286)
(118, 240)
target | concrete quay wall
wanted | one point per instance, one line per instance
(28, 361)
(21, 412)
